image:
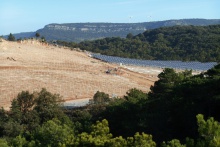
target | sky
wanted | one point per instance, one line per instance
(27, 15)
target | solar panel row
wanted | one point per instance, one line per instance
(194, 65)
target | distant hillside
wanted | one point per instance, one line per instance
(187, 43)
(77, 32)
(22, 35)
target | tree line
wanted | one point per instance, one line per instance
(185, 43)
(11, 37)
(180, 110)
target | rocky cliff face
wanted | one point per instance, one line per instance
(98, 27)
(89, 31)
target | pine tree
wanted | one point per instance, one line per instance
(11, 37)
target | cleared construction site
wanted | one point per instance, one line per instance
(32, 65)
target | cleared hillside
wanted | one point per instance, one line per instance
(31, 65)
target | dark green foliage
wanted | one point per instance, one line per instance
(129, 36)
(54, 133)
(209, 135)
(28, 111)
(100, 136)
(16, 113)
(82, 119)
(100, 98)
(169, 108)
(3, 120)
(214, 72)
(167, 112)
(20, 141)
(89, 114)
(22, 110)
(134, 95)
(161, 103)
(124, 114)
(167, 80)
(12, 128)
(43, 39)
(11, 37)
(189, 96)
(48, 106)
(25, 101)
(37, 35)
(186, 43)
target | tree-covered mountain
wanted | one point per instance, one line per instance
(77, 32)
(187, 43)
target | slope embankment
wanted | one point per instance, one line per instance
(32, 65)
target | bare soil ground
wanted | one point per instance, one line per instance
(31, 66)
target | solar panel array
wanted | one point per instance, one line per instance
(194, 65)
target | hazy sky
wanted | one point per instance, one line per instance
(27, 15)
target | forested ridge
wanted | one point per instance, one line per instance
(185, 43)
(180, 110)
(77, 32)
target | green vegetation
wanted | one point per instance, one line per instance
(37, 35)
(11, 37)
(38, 120)
(170, 115)
(77, 32)
(185, 43)
(100, 98)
